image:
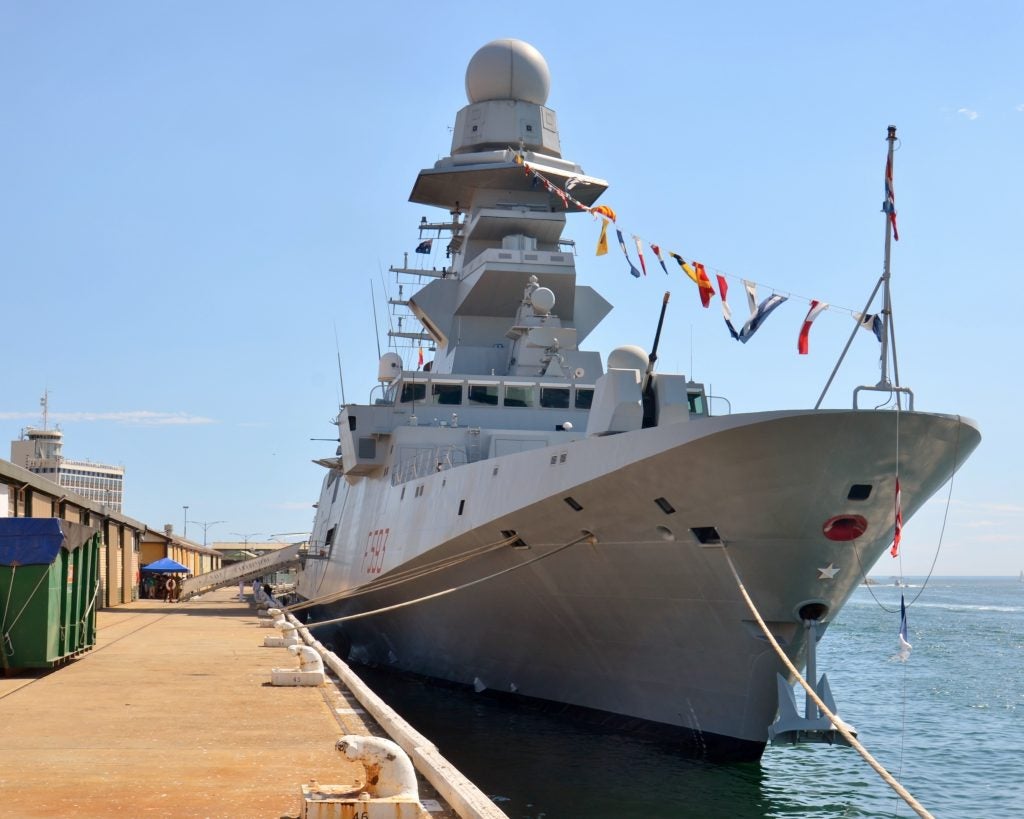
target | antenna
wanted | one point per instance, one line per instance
(337, 347)
(376, 330)
(384, 287)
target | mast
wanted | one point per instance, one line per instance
(888, 333)
(889, 207)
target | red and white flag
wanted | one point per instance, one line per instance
(898, 531)
(803, 343)
(640, 253)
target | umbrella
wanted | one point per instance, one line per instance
(165, 564)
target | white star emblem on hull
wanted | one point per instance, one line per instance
(828, 573)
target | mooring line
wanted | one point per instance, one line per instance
(837, 723)
(585, 537)
(404, 576)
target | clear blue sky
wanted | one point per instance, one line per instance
(194, 195)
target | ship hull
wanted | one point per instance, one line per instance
(641, 617)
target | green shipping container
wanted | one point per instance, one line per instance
(49, 582)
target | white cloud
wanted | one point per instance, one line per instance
(1021, 107)
(967, 112)
(148, 418)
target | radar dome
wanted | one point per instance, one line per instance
(389, 368)
(508, 70)
(628, 357)
(542, 300)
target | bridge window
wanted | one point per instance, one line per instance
(413, 392)
(449, 394)
(554, 397)
(584, 397)
(518, 396)
(696, 400)
(483, 394)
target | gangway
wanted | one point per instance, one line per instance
(276, 561)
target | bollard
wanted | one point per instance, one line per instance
(390, 789)
(289, 636)
(310, 671)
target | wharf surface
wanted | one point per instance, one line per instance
(172, 714)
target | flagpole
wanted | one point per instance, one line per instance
(886, 296)
(888, 331)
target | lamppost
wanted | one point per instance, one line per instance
(245, 537)
(206, 525)
(184, 529)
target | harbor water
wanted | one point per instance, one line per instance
(948, 723)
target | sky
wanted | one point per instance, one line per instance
(197, 199)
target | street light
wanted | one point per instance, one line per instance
(206, 525)
(184, 529)
(245, 537)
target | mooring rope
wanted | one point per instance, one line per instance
(837, 723)
(585, 537)
(398, 578)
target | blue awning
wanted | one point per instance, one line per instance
(165, 564)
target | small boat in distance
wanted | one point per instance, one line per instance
(526, 516)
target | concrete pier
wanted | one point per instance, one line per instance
(173, 714)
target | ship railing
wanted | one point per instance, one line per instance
(710, 398)
(890, 390)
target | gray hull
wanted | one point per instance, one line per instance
(647, 621)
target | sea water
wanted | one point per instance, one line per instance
(948, 724)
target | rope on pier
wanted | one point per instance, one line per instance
(837, 723)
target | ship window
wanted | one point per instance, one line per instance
(554, 397)
(584, 398)
(447, 393)
(573, 504)
(483, 394)
(462, 505)
(413, 392)
(665, 506)
(368, 448)
(518, 396)
(696, 400)
(859, 492)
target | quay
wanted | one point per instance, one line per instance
(173, 714)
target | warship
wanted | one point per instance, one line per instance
(522, 516)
